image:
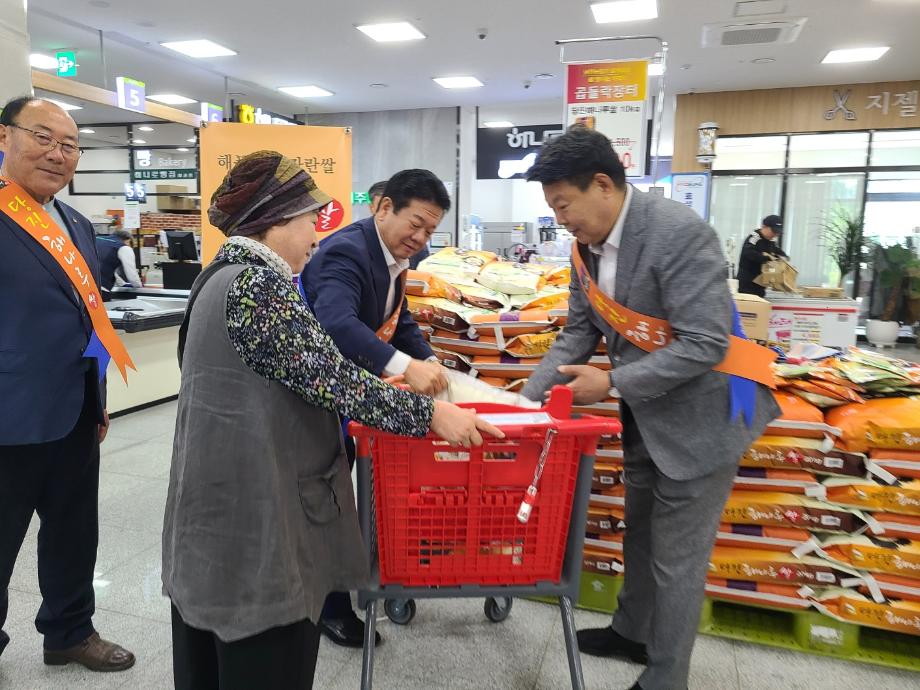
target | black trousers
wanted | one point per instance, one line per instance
(282, 658)
(338, 604)
(60, 481)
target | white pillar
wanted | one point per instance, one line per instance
(15, 75)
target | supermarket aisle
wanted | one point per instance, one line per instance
(449, 645)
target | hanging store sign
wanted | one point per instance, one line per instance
(165, 174)
(212, 113)
(504, 153)
(692, 189)
(132, 94)
(610, 97)
(250, 115)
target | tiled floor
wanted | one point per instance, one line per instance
(449, 644)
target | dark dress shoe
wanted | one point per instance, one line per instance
(4, 641)
(346, 632)
(606, 642)
(94, 653)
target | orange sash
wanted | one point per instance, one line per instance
(388, 329)
(744, 358)
(28, 214)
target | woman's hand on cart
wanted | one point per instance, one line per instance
(461, 427)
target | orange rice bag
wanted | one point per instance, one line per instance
(892, 423)
(866, 494)
(895, 615)
(896, 557)
(421, 284)
(904, 464)
(759, 593)
(772, 566)
(760, 537)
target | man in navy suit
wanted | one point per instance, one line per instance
(355, 283)
(52, 403)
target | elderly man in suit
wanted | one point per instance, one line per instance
(52, 403)
(656, 258)
(355, 284)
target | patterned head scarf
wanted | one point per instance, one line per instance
(261, 190)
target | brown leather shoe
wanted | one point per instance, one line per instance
(94, 653)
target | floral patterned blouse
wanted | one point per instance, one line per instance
(277, 336)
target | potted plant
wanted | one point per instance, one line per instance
(843, 235)
(898, 272)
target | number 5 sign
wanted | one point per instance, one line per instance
(131, 94)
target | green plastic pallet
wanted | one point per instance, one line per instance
(810, 632)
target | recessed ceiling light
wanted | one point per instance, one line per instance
(392, 31)
(458, 82)
(87, 130)
(192, 140)
(624, 11)
(63, 105)
(544, 75)
(199, 48)
(309, 91)
(138, 141)
(855, 55)
(378, 86)
(763, 61)
(145, 128)
(655, 69)
(39, 61)
(498, 123)
(171, 99)
(182, 150)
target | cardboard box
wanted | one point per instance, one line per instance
(174, 202)
(822, 292)
(755, 315)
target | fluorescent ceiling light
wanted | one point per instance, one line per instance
(458, 82)
(624, 11)
(63, 105)
(171, 99)
(199, 48)
(193, 140)
(182, 150)
(738, 184)
(498, 123)
(87, 130)
(854, 55)
(145, 128)
(655, 69)
(138, 141)
(309, 91)
(392, 31)
(39, 61)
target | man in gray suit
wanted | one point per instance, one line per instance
(682, 446)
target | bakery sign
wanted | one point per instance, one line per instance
(504, 153)
(898, 104)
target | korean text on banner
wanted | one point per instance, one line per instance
(610, 97)
(324, 152)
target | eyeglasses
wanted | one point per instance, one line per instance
(49, 143)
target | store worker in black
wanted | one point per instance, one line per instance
(758, 249)
(117, 263)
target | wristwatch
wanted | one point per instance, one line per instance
(613, 392)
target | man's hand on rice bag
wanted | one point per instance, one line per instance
(589, 384)
(459, 426)
(427, 378)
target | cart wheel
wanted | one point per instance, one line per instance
(497, 609)
(400, 611)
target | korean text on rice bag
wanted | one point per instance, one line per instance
(442, 313)
(895, 557)
(789, 510)
(892, 423)
(895, 615)
(510, 278)
(814, 455)
(902, 497)
(773, 566)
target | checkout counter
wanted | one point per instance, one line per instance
(828, 322)
(147, 321)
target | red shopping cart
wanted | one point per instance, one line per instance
(499, 521)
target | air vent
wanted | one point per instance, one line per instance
(752, 33)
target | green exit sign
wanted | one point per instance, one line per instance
(67, 64)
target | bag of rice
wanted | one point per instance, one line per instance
(479, 296)
(799, 418)
(510, 278)
(464, 344)
(898, 526)
(513, 323)
(606, 408)
(560, 313)
(761, 537)
(453, 360)
(895, 587)
(606, 476)
(759, 593)
(789, 481)
(422, 284)
(547, 298)
(895, 615)
(560, 275)
(904, 464)
(452, 262)
(789, 510)
(892, 423)
(895, 557)
(505, 366)
(531, 345)
(773, 566)
(442, 313)
(601, 561)
(606, 520)
(814, 455)
(865, 494)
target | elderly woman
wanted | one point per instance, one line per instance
(257, 531)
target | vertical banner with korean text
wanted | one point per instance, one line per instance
(324, 152)
(692, 189)
(610, 97)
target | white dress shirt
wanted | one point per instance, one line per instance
(400, 361)
(608, 252)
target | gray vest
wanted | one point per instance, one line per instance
(260, 516)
